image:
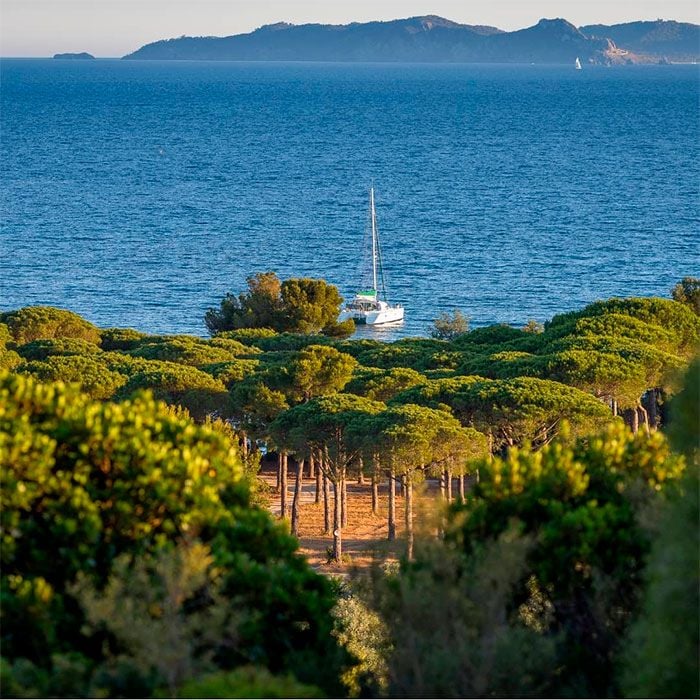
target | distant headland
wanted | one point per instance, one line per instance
(438, 40)
(84, 56)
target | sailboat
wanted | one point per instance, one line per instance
(578, 64)
(366, 306)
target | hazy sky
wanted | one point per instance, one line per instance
(116, 27)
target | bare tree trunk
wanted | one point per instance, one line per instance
(284, 486)
(645, 418)
(614, 408)
(448, 481)
(279, 472)
(631, 417)
(337, 524)
(244, 446)
(462, 485)
(326, 505)
(360, 472)
(375, 495)
(408, 509)
(344, 501)
(298, 483)
(650, 402)
(443, 486)
(392, 506)
(312, 466)
(319, 484)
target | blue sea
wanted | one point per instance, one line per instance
(138, 193)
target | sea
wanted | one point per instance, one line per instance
(137, 193)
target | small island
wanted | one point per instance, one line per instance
(84, 56)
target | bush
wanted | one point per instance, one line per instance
(184, 352)
(36, 322)
(92, 376)
(182, 385)
(121, 338)
(248, 682)
(41, 349)
(84, 483)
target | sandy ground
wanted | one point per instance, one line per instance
(365, 536)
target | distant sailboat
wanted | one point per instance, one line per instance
(366, 306)
(578, 64)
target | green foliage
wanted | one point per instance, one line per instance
(85, 482)
(365, 635)
(9, 359)
(453, 631)
(489, 336)
(165, 612)
(235, 347)
(684, 430)
(185, 352)
(248, 682)
(231, 372)
(183, 385)
(318, 371)
(89, 373)
(687, 292)
(415, 353)
(383, 385)
(41, 349)
(512, 410)
(121, 338)
(310, 306)
(296, 305)
(661, 660)
(672, 316)
(449, 327)
(37, 322)
(580, 504)
(247, 336)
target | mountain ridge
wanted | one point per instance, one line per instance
(431, 38)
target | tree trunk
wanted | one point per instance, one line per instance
(326, 505)
(319, 484)
(279, 472)
(443, 486)
(344, 502)
(631, 417)
(375, 495)
(462, 485)
(448, 481)
(392, 506)
(409, 519)
(650, 402)
(312, 466)
(337, 524)
(360, 472)
(298, 483)
(645, 418)
(244, 446)
(284, 486)
(614, 408)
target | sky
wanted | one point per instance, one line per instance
(108, 28)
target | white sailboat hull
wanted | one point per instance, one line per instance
(377, 317)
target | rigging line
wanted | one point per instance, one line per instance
(381, 262)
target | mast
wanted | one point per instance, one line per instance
(374, 241)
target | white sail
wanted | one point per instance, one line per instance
(578, 63)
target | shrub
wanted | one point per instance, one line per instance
(36, 322)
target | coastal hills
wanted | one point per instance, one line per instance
(435, 39)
